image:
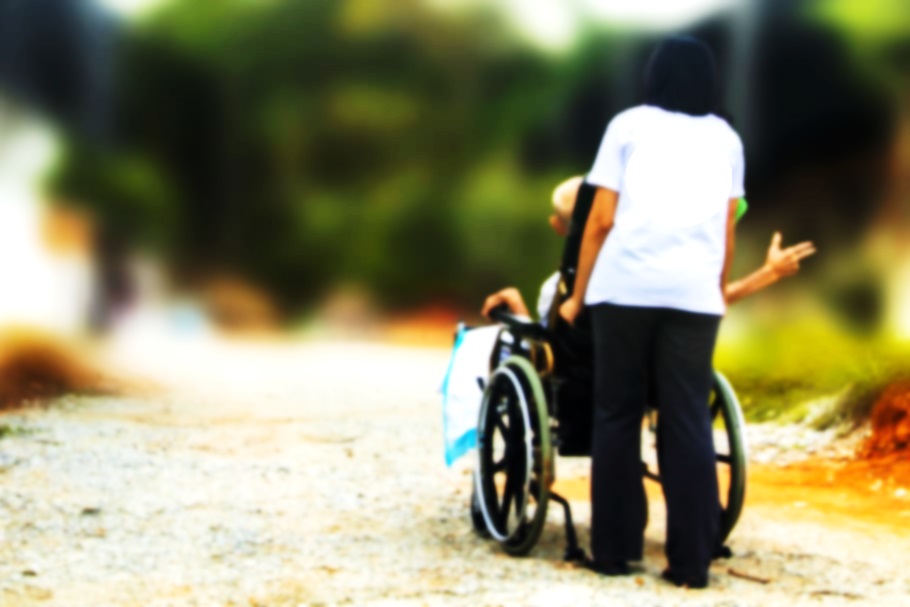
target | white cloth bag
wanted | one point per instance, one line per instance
(461, 389)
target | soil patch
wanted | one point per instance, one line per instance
(37, 365)
(432, 326)
(864, 495)
(890, 422)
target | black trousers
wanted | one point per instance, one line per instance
(664, 354)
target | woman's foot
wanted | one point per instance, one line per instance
(611, 568)
(686, 581)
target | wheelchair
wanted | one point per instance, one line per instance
(537, 402)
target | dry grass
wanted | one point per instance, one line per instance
(36, 365)
(890, 422)
(783, 371)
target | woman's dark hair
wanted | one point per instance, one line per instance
(682, 77)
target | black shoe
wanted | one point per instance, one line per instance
(611, 568)
(687, 581)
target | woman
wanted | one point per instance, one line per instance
(653, 266)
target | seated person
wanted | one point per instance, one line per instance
(779, 263)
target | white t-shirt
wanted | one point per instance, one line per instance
(675, 175)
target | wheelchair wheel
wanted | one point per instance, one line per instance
(731, 452)
(514, 456)
(730, 446)
(477, 521)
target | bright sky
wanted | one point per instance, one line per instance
(554, 23)
(129, 7)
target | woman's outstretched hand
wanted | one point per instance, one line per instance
(785, 262)
(570, 309)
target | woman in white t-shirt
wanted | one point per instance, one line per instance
(653, 266)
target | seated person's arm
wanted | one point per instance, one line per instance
(511, 297)
(779, 263)
(733, 206)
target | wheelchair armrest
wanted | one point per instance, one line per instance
(519, 325)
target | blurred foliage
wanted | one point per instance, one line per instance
(810, 371)
(311, 144)
(878, 31)
(412, 150)
(870, 20)
(128, 192)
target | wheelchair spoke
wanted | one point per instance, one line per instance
(537, 464)
(518, 497)
(508, 495)
(514, 461)
(715, 408)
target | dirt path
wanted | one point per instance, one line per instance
(312, 475)
(864, 497)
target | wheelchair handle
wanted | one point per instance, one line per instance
(503, 314)
(520, 324)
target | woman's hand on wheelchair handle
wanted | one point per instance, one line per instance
(570, 309)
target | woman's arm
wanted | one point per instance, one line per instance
(600, 222)
(779, 263)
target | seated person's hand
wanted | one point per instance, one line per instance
(570, 309)
(785, 262)
(510, 297)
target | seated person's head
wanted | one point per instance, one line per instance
(563, 203)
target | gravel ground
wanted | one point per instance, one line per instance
(313, 475)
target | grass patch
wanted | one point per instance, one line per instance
(810, 372)
(11, 430)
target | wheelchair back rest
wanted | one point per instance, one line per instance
(583, 202)
(572, 344)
